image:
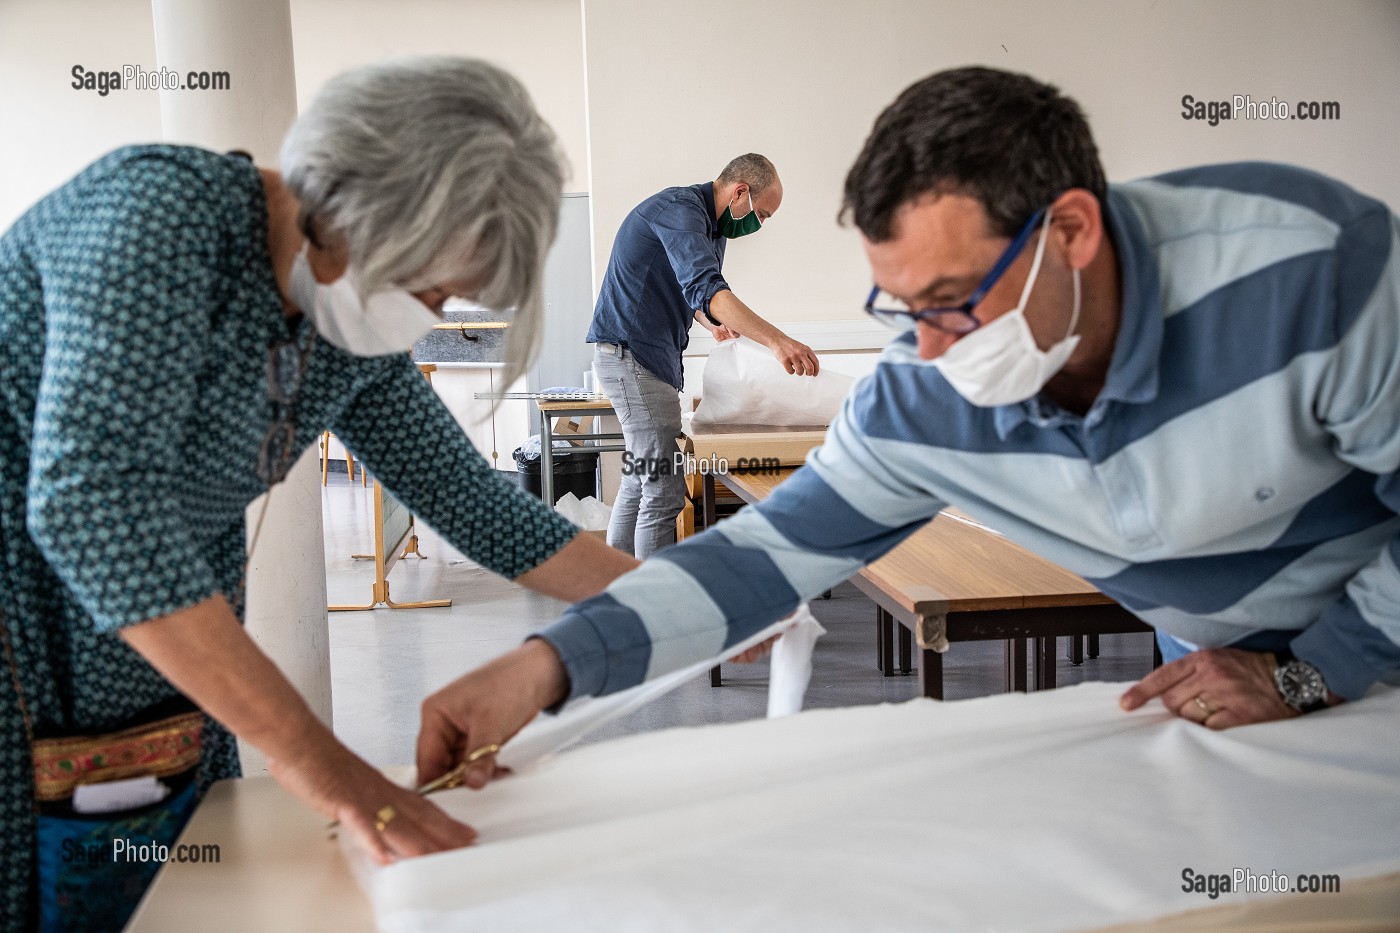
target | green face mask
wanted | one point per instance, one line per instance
(733, 228)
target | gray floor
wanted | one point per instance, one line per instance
(383, 662)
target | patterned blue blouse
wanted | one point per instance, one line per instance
(137, 307)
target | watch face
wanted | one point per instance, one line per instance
(1300, 683)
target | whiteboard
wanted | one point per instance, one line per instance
(568, 301)
(393, 522)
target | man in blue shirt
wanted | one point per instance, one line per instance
(1184, 388)
(665, 272)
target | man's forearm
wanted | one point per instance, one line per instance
(1349, 649)
(704, 322)
(726, 308)
(797, 358)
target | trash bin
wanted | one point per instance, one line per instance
(574, 471)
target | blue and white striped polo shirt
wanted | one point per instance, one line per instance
(1238, 472)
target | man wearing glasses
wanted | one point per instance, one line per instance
(1185, 389)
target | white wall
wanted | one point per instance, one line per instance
(539, 41)
(49, 131)
(675, 90)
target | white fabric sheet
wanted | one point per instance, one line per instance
(791, 669)
(1041, 812)
(745, 384)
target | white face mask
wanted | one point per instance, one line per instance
(999, 363)
(386, 322)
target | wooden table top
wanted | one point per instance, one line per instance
(726, 430)
(574, 404)
(953, 564)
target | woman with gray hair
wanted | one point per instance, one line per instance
(177, 325)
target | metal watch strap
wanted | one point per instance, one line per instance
(1285, 656)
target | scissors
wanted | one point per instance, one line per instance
(454, 777)
(446, 781)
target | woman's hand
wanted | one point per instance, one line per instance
(389, 821)
(487, 707)
(204, 652)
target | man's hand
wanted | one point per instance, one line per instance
(720, 332)
(797, 358)
(1216, 687)
(757, 653)
(487, 707)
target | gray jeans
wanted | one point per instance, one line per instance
(651, 495)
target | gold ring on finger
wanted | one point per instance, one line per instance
(1205, 708)
(384, 817)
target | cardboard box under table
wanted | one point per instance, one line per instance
(743, 447)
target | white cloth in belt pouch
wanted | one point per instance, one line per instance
(745, 384)
(1042, 812)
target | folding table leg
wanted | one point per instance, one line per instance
(1075, 651)
(879, 639)
(1016, 664)
(906, 647)
(714, 676)
(931, 674)
(1093, 646)
(887, 627)
(546, 458)
(1044, 665)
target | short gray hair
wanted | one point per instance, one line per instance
(752, 169)
(434, 169)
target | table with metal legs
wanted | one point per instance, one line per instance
(552, 405)
(956, 580)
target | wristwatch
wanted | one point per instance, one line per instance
(1300, 684)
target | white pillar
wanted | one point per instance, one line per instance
(251, 41)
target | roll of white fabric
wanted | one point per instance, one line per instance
(745, 384)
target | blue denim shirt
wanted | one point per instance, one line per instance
(665, 266)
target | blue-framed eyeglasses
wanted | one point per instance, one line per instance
(954, 319)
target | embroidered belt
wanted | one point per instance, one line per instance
(160, 749)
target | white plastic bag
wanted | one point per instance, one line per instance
(745, 384)
(588, 514)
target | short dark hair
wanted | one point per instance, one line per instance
(752, 169)
(1006, 139)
